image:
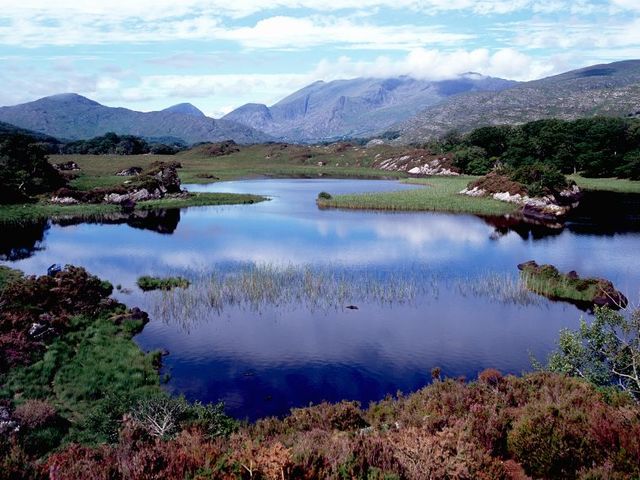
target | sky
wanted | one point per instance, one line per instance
(220, 54)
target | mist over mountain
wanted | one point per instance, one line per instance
(611, 90)
(74, 117)
(359, 107)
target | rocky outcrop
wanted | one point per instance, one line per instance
(419, 163)
(584, 292)
(66, 166)
(129, 172)
(549, 207)
(160, 180)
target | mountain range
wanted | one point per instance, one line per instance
(414, 110)
(360, 107)
(611, 90)
(73, 117)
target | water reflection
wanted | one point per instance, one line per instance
(264, 360)
(21, 239)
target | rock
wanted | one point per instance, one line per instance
(420, 163)
(376, 142)
(66, 166)
(545, 209)
(64, 200)
(129, 172)
(7, 424)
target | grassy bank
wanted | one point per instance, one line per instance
(199, 166)
(439, 194)
(619, 185)
(43, 209)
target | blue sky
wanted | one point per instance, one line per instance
(220, 54)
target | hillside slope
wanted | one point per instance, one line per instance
(611, 90)
(354, 108)
(71, 116)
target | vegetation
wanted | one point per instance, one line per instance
(43, 209)
(8, 275)
(440, 194)
(619, 185)
(541, 425)
(24, 170)
(148, 283)
(595, 147)
(548, 281)
(69, 372)
(78, 398)
(605, 352)
(113, 144)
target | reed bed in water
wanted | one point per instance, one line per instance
(256, 287)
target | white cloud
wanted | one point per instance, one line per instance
(277, 32)
(607, 33)
(162, 9)
(438, 65)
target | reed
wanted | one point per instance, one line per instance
(257, 287)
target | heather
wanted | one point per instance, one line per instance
(80, 400)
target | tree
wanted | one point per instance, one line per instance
(605, 352)
(25, 170)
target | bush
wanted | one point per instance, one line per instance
(148, 283)
(550, 441)
(25, 170)
(324, 196)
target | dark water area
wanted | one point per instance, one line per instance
(263, 360)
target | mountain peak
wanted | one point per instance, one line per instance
(69, 98)
(185, 109)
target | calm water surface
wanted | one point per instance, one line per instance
(267, 360)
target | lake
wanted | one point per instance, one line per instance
(426, 289)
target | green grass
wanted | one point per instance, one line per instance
(43, 209)
(620, 185)
(440, 194)
(546, 280)
(8, 275)
(82, 370)
(250, 161)
(148, 283)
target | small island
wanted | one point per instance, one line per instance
(587, 293)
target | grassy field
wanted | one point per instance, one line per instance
(251, 161)
(440, 194)
(607, 184)
(42, 209)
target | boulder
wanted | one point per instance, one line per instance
(129, 172)
(419, 162)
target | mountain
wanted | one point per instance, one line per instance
(186, 109)
(355, 108)
(6, 129)
(611, 90)
(74, 117)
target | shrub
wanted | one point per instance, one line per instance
(324, 196)
(550, 441)
(148, 283)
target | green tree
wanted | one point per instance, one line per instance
(25, 170)
(605, 352)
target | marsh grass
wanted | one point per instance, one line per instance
(43, 209)
(323, 289)
(501, 288)
(439, 194)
